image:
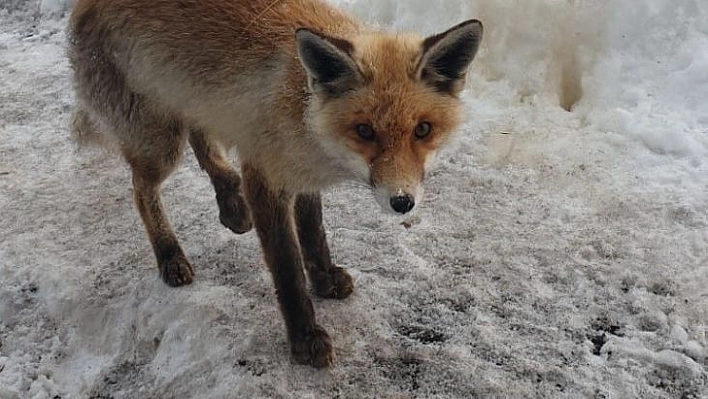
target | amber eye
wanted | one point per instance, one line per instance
(423, 130)
(366, 132)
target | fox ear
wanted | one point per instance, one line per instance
(328, 62)
(446, 56)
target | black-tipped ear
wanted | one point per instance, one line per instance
(446, 56)
(328, 62)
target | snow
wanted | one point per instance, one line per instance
(52, 8)
(562, 250)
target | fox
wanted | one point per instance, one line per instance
(306, 95)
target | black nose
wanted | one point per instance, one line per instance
(402, 203)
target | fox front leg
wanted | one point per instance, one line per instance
(272, 215)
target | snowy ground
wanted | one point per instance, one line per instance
(558, 254)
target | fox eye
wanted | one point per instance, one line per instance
(423, 130)
(366, 132)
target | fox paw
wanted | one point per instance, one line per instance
(234, 213)
(314, 349)
(334, 283)
(176, 270)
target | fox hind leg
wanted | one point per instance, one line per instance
(152, 160)
(233, 210)
(328, 280)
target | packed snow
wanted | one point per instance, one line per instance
(562, 250)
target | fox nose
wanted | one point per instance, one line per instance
(402, 203)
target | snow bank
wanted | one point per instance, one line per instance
(651, 82)
(53, 8)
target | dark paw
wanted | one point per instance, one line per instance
(335, 283)
(176, 270)
(234, 213)
(314, 349)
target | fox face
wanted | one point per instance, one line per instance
(382, 105)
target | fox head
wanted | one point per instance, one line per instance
(382, 105)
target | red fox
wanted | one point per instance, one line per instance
(307, 96)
